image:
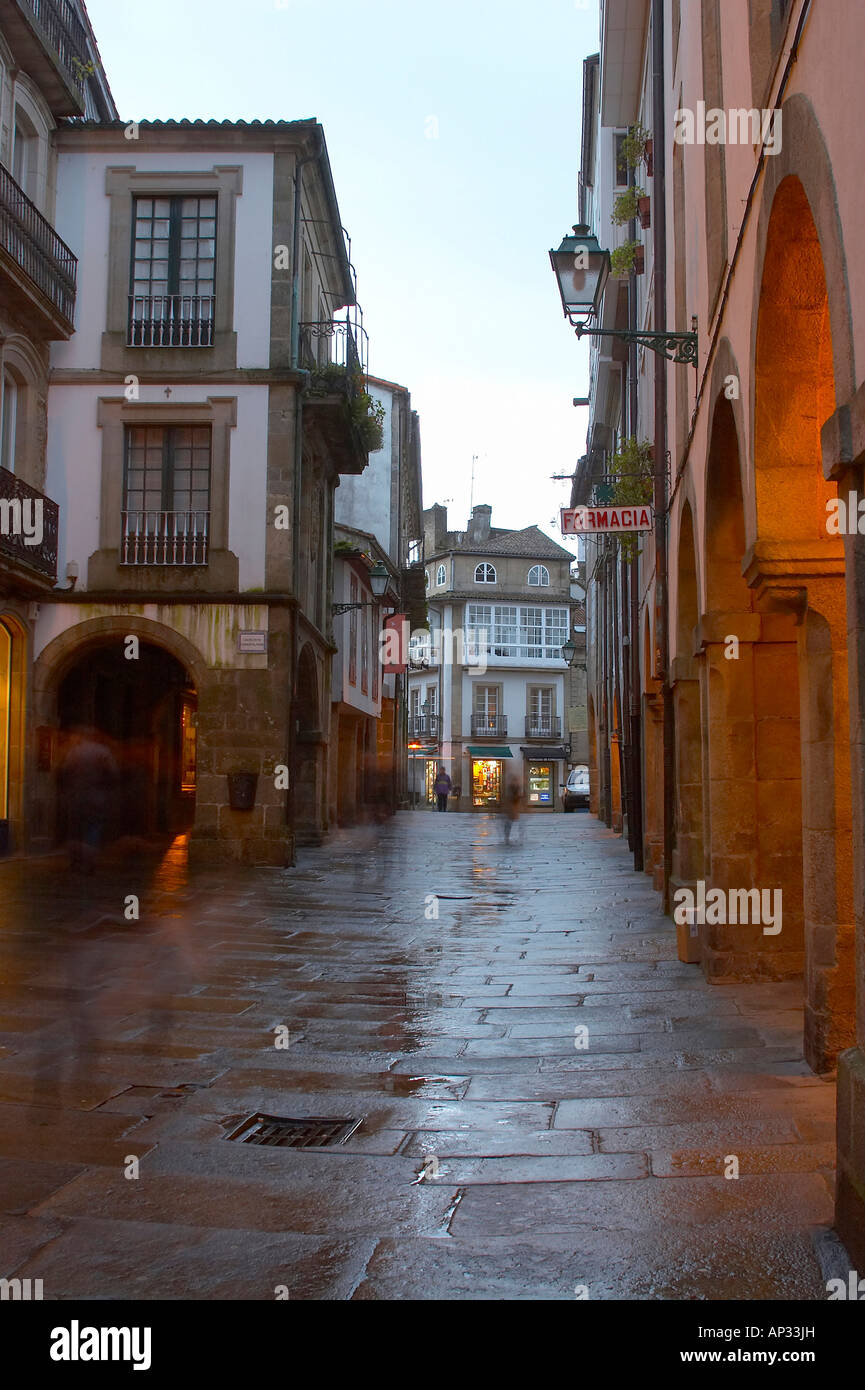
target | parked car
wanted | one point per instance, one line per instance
(575, 791)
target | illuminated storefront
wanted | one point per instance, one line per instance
(539, 787)
(488, 776)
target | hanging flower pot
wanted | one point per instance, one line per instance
(640, 260)
(644, 209)
(649, 157)
(242, 787)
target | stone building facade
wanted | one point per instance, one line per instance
(741, 624)
(487, 686)
(378, 521)
(49, 72)
(199, 422)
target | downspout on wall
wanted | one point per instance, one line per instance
(659, 243)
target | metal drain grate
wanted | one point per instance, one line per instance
(314, 1132)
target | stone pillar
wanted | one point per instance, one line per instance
(827, 847)
(688, 846)
(850, 1182)
(653, 787)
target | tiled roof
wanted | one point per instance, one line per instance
(197, 123)
(529, 543)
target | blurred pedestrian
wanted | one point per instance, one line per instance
(442, 788)
(88, 781)
(511, 808)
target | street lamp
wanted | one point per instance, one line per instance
(569, 651)
(582, 269)
(379, 578)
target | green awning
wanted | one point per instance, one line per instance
(489, 752)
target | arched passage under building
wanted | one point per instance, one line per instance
(797, 572)
(144, 708)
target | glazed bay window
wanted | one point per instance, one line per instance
(515, 632)
(172, 293)
(166, 495)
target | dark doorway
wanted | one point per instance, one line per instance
(144, 708)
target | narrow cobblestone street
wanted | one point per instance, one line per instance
(543, 1165)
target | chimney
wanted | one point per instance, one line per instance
(435, 526)
(479, 523)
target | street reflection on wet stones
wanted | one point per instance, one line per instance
(439, 984)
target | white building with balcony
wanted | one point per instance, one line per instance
(487, 686)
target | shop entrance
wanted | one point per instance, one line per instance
(486, 782)
(539, 791)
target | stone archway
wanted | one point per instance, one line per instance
(594, 793)
(13, 701)
(653, 763)
(750, 684)
(309, 751)
(797, 572)
(80, 678)
(688, 847)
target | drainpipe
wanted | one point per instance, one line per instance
(635, 770)
(661, 480)
(298, 478)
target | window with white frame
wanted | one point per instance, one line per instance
(540, 575)
(440, 575)
(486, 706)
(485, 574)
(173, 275)
(517, 631)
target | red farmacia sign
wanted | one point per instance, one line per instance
(579, 521)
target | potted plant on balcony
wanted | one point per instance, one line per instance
(628, 257)
(636, 146)
(644, 211)
(632, 469)
(368, 415)
(627, 205)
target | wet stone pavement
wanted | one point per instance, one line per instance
(430, 981)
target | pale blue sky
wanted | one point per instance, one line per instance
(449, 234)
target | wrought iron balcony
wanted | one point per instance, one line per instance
(170, 320)
(164, 538)
(29, 524)
(489, 725)
(334, 353)
(50, 43)
(40, 268)
(543, 726)
(424, 725)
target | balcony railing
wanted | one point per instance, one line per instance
(28, 525)
(335, 349)
(32, 243)
(543, 726)
(66, 34)
(171, 320)
(164, 538)
(489, 725)
(424, 725)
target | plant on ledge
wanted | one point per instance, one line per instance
(633, 483)
(635, 144)
(626, 207)
(624, 258)
(368, 415)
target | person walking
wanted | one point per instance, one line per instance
(511, 808)
(442, 787)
